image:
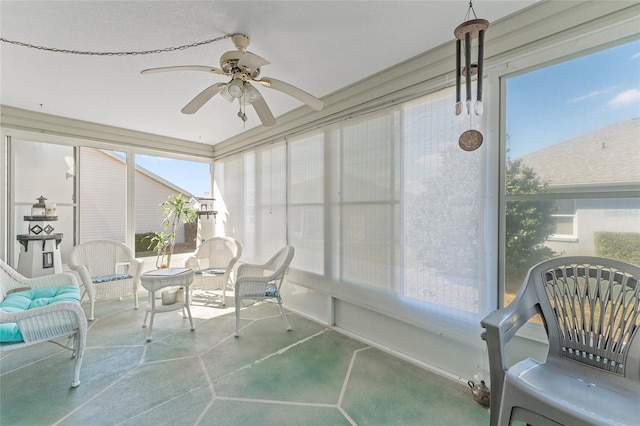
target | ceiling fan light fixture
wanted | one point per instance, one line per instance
(250, 92)
(225, 94)
(236, 88)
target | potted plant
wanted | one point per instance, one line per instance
(159, 242)
(175, 210)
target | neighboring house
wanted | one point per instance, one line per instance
(605, 160)
(103, 197)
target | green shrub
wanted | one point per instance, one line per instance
(143, 240)
(190, 233)
(623, 246)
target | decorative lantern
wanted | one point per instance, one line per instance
(466, 32)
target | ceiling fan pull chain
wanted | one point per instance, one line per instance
(241, 113)
(130, 53)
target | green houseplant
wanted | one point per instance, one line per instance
(159, 242)
(175, 210)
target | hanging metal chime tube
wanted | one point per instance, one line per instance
(467, 65)
(458, 77)
(479, 109)
(467, 31)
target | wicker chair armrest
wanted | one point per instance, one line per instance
(135, 270)
(250, 285)
(14, 282)
(192, 262)
(41, 311)
(247, 269)
(85, 278)
(135, 267)
(83, 272)
(47, 322)
(55, 280)
(231, 264)
(252, 279)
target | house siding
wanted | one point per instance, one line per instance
(605, 159)
(103, 198)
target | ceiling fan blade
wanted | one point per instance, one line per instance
(184, 68)
(264, 113)
(196, 103)
(251, 61)
(293, 91)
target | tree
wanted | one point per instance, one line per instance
(445, 213)
(528, 223)
(447, 209)
(176, 210)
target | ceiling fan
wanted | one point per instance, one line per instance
(243, 67)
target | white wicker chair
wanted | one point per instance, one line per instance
(107, 269)
(259, 282)
(590, 307)
(213, 263)
(44, 323)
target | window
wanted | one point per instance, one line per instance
(251, 201)
(367, 176)
(158, 178)
(306, 201)
(384, 205)
(443, 209)
(89, 187)
(571, 169)
(565, 220)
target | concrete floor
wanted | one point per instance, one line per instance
(311, 375)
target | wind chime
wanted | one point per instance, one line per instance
(467, 31)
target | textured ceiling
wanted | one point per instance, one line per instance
(318, 46)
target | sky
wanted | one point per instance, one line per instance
(559, 102)
(189, 175)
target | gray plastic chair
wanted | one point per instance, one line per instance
(259, 282)
(590, 307)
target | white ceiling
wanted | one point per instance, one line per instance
(318, 46)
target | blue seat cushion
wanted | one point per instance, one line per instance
(30, 299)
(108, 278)
(271, 290)
(211, 271)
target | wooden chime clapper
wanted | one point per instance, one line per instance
(467, 31)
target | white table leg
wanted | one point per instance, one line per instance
(153, 311)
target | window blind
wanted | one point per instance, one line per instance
(385, 205)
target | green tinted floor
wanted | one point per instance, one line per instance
(311, 375)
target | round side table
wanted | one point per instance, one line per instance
(159, 279)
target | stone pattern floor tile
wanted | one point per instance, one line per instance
(311, 375)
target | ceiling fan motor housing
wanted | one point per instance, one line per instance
(229, 64)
